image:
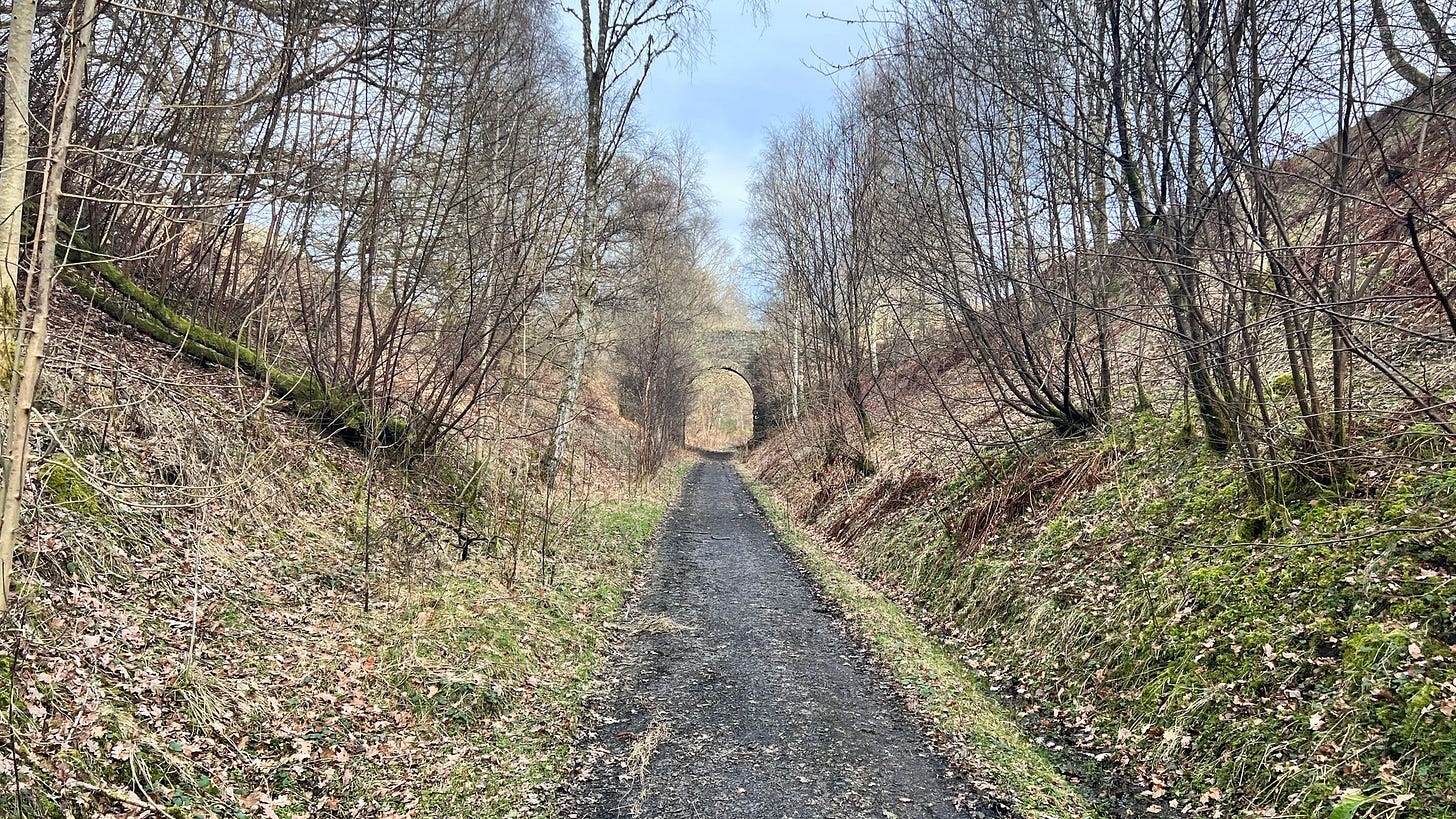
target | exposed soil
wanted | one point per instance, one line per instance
(742, 695)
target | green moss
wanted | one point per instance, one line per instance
(66, 486)
(458, 702)
(1439, 488)
(1282, 385)
(1423, 440)
(1372, 650)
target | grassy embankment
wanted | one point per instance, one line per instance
(1235, 659)
(190, 638)
(980, 735)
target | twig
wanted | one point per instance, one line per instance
(1445, 301)
(124, 798)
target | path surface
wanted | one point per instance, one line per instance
(742, 696)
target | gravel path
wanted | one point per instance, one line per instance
(741, 695)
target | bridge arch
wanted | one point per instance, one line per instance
(730, 366)
(737, 351)
(723, 409)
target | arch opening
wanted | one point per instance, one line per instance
(720, 414)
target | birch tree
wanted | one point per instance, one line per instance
(80, 33)
(14, 162)
(620, 42)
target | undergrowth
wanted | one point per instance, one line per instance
(972, 728)
(1234, 658)
(191, 637)
(457, 694)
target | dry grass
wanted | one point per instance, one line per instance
(191, 638)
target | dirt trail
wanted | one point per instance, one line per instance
(741, 695)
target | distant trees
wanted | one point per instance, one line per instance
(815, 222)
(620, 42)
(667, 250)
(385, 196)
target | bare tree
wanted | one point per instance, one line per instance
(663, 294)
(81, 31)
(620, 42)
(15, 156)
(1001, 225)
(816, 226)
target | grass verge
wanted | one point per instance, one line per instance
(222, 665)
(1235, 658)
(505, 672)
(978, 734)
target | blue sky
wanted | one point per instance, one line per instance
(757, 75)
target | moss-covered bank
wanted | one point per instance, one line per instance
(1234, 659)
(95, 277)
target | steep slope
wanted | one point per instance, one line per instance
(1289, 651)
(223, 612)
(1125, 595)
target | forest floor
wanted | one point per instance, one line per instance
(742, 692)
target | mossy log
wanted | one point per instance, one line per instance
(84, 270)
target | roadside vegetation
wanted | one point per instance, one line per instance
(205, 649)
(1172, 637)
(1115, 341)
(979, 735)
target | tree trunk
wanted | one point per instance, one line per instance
(45, 265)
(796, 376)
(595, 55)
(584, 312)
(15, 161)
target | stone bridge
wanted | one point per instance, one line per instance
(738, 352)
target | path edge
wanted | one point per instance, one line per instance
(975, 732)
(569, 797)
